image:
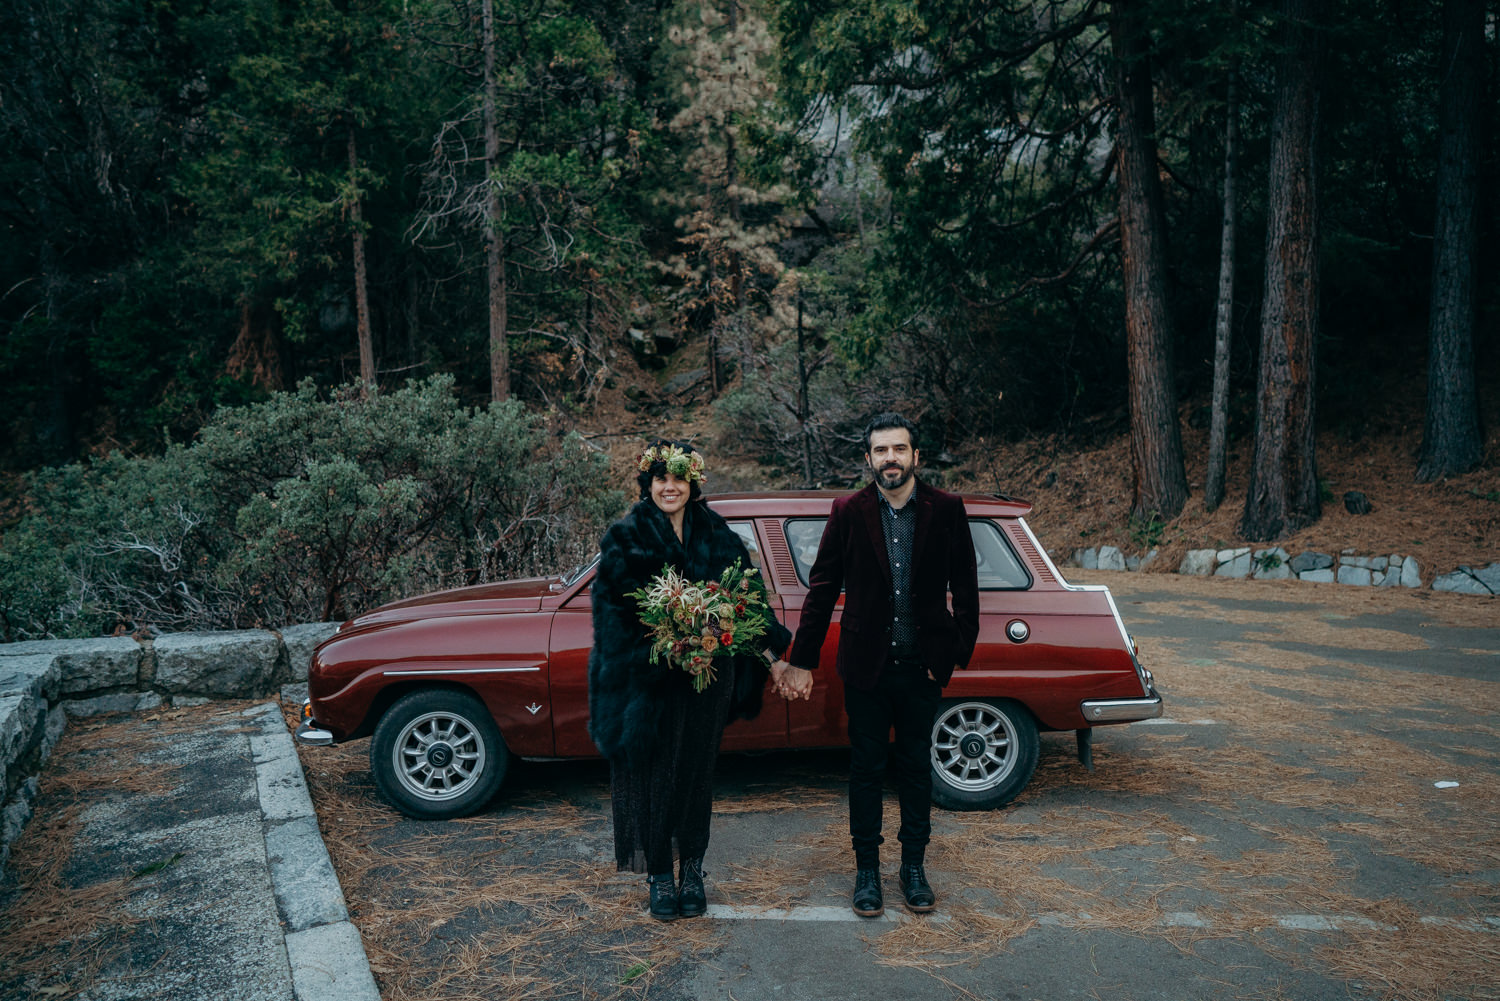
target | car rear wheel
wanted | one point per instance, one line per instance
(983, 753)
(438, 754)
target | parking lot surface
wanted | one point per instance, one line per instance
(1315, 818)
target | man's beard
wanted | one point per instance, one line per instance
(902, 474)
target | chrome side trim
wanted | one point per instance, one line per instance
(1121, 710)
(467, 670)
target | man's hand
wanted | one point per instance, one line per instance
(792, 683)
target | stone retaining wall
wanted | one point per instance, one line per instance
(45, 682)
(1275, 563)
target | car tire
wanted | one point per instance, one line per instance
(438, 754)
(983, 753)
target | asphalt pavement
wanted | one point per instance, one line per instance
(193, 839)
(1314, 818)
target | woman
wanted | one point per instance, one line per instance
(660, 735)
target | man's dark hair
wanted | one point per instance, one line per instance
(886, 421)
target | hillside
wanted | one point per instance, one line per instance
(1080, 482)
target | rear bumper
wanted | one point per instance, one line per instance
(308, 731)
(1121, 710)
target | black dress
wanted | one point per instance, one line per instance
(660, 736)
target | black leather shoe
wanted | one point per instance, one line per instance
(691, 898)
(663, 896)
(867, 901)
(914, 887)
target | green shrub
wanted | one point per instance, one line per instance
(301, 509)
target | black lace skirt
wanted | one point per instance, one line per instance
(663, 797)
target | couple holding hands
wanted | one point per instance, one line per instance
(896, 549)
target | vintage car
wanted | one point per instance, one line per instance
(452, 685)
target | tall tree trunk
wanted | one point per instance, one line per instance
(1155, 440)
(1218, 429)
(1283, 494)
(361, 273)
(1450, 439)
(494, 239)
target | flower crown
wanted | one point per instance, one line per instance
(683, 465)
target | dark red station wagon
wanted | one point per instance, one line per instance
(451, 685)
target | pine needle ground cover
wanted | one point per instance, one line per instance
(1282, 837)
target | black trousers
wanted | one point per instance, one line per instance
(906, 699)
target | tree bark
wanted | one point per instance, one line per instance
(1218, 429)
(361, 274)
(1160, 487)
(1451, 442)
(1283, 495)
(494, 238)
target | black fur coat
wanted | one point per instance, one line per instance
(624, 685)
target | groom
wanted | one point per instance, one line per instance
(897, 548)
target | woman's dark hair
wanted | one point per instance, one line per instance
(659, 468)
(885, 422)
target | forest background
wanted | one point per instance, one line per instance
(309, 304)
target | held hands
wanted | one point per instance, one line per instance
(792, 683)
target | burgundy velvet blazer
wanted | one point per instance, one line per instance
(852, 558)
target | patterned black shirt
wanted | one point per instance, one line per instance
(899, 527)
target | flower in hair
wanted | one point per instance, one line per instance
(681, 464)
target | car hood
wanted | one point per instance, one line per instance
(481, 599)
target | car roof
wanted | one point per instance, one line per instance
(811, 503)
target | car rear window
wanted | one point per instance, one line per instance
(999, 568)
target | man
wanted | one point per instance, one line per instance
(897, 548)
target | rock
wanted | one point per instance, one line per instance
(1322, 575)
(87, 664)
(1490, 577)
(1357, 503)
(22, 724)
(1233, 562)
(1110, 558)
(1368, 562)
(242, 664)
(100, 705)
(36, 676)
(1389, 577)
(1303, 562)
(1461, 581)
(1272, 564)
(1411, 574)
(685, 381)
(1360, 576)
(300, 640)
(1198, 563)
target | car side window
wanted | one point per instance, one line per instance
(803, 536)
(746, 531)
(999, 568)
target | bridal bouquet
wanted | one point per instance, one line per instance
(694, 622)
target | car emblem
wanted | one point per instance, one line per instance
(534, 708)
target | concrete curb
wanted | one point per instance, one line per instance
(326, 953)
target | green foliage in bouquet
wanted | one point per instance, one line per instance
(694, 623)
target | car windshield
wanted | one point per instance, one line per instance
(571, 577)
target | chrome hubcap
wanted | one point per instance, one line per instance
(438, 756)
(973, 746)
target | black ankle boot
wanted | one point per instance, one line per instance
(692, 900)
(914, 887)
(663, 896)
(868, 901)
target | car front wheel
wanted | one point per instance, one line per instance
(437, 754)
(983, 753)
